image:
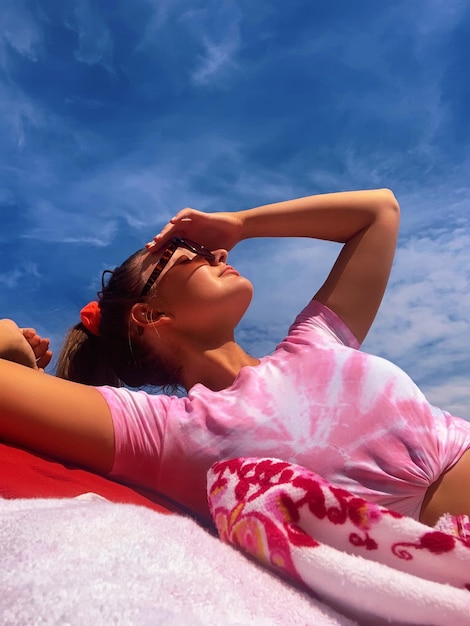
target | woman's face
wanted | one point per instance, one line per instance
(200, 293)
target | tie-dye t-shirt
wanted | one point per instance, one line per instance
(318, 401)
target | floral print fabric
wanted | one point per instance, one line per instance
(353, 553)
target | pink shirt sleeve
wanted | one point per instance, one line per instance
(318, 320)
(139, 421)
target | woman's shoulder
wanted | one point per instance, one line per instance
(319, 323)
(126, 400)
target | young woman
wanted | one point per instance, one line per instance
(167, 317)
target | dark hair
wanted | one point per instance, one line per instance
(118, 356)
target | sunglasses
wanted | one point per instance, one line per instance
(168, 252)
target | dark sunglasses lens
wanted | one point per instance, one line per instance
(197, 248)
(202, 251)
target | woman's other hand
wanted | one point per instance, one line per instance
(212, 230)
(23, 346)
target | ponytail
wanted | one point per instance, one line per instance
(82, 359)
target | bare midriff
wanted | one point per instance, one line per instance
(449, 494)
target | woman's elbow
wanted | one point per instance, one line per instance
(390, 201)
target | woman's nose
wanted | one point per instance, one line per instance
(220, 255)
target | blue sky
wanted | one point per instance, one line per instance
(115, 114)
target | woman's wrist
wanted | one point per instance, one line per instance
(265, 221)
(16, 353)
(243, 221)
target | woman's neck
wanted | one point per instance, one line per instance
(215, 368)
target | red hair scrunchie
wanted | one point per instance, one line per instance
(90, 317)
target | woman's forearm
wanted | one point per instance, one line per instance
(334, 217)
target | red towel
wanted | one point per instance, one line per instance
(25, 474)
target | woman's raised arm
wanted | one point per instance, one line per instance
(56, 417)
(366, 222)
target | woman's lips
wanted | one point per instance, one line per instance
(229, 270)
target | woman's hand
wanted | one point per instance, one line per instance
(23, 346)
(212, 230)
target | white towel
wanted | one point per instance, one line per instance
(94, 563)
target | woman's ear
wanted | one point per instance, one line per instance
(140, 314)
(143, 315)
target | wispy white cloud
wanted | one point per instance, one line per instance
(286, 273)
(424, 320)
(95, 44)
(210, 30)
(451, 395)
(49, 223)
(440, 16)
(20, 31)
(161, 11)
(13, 279)
(384, 85)
(20, 116)
(218, 58)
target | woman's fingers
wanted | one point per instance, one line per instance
(31, 337)
(39, 345)
(44, 360)
(177, 225)
(213, 230)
